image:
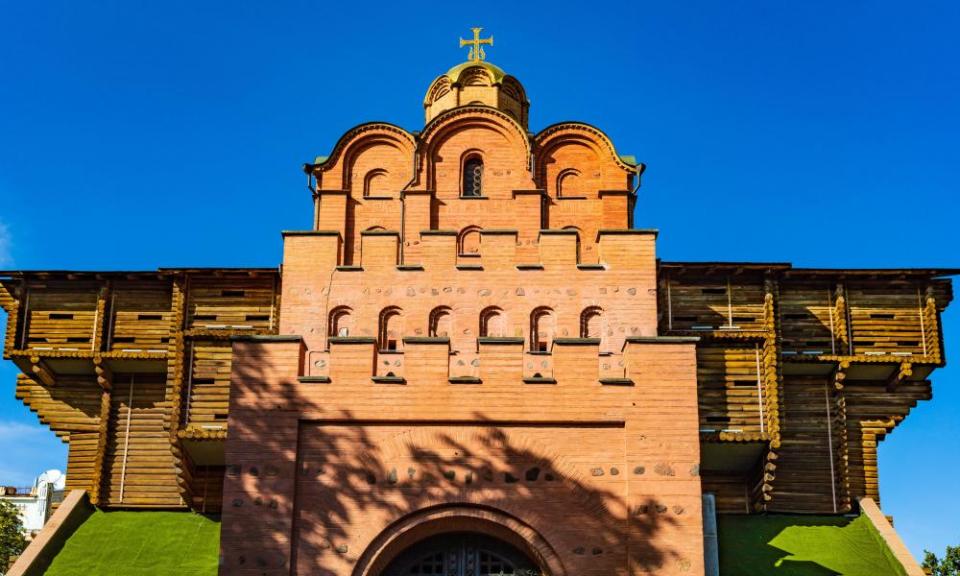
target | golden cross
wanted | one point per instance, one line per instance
(476, 52)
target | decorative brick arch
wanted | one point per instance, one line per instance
(472, 117)
(339, 170)
(584, 151)
(428, 522)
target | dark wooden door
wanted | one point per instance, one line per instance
(462, 554)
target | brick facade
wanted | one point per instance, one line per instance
(448, 363)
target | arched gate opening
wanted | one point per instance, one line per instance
(459, 541)
(462, 554)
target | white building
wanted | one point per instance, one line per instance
(36, 503)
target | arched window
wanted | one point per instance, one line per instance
(568, 183)
(390, 333)
(375, 183)
(468, 243)
(492, 323)
(591, 323)
(541, 329)
(441, 322)
(472, 177)
(339, 322)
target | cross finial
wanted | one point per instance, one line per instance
(476, 52)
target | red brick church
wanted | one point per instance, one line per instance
(475, 364)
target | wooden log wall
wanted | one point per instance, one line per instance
(805, 465)
(9, 301)
(72, 411)
(730, 382)
(821, 453)
(139, 316)
(872, 412)
(72, 407)
(807, 319)
(761, 479)
(732, 491)
(208, 384)
(207, 488)
(840, 437)
(886, 320)
(712, 303)
(933, 344)
(69, 331)
(214, 303)
(61, 316)
(840, 327)
(734, 314)
(174, 386)
(138, 469)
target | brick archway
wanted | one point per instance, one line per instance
(429, 522)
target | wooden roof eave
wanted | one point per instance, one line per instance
(220, 271)
(913, 273)
(159, 273)
(788, 270)
(7, 299)
(722, 268)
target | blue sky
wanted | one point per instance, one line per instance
(136, 135)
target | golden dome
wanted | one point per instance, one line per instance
(477, 82)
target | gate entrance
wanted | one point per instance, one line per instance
(462, 554)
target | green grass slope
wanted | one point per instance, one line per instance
(141, 544)
(788, 545)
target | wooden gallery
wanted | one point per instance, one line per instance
(475, 364)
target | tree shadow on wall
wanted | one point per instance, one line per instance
(344, 483)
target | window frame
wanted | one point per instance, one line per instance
(468, 159)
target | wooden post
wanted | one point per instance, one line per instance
(105, 379)
(97, 338)
(12, 307)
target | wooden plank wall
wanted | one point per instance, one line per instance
(140, 314)
(728, 393)
(872, 411)
(806, 317)
(85, 324)
(139, 467)
(62, 315)
(244, 303)
(72, 407)
(886, 319)
(72, 411)
(208, 385)
(732, 492)
(207, 488)
(712, 303)
(824, 433)
(805, 466)
(9, 301)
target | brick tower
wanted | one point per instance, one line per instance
(467, 351)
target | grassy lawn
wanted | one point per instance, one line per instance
(186, 544)
(141, 544)
(789, 545)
